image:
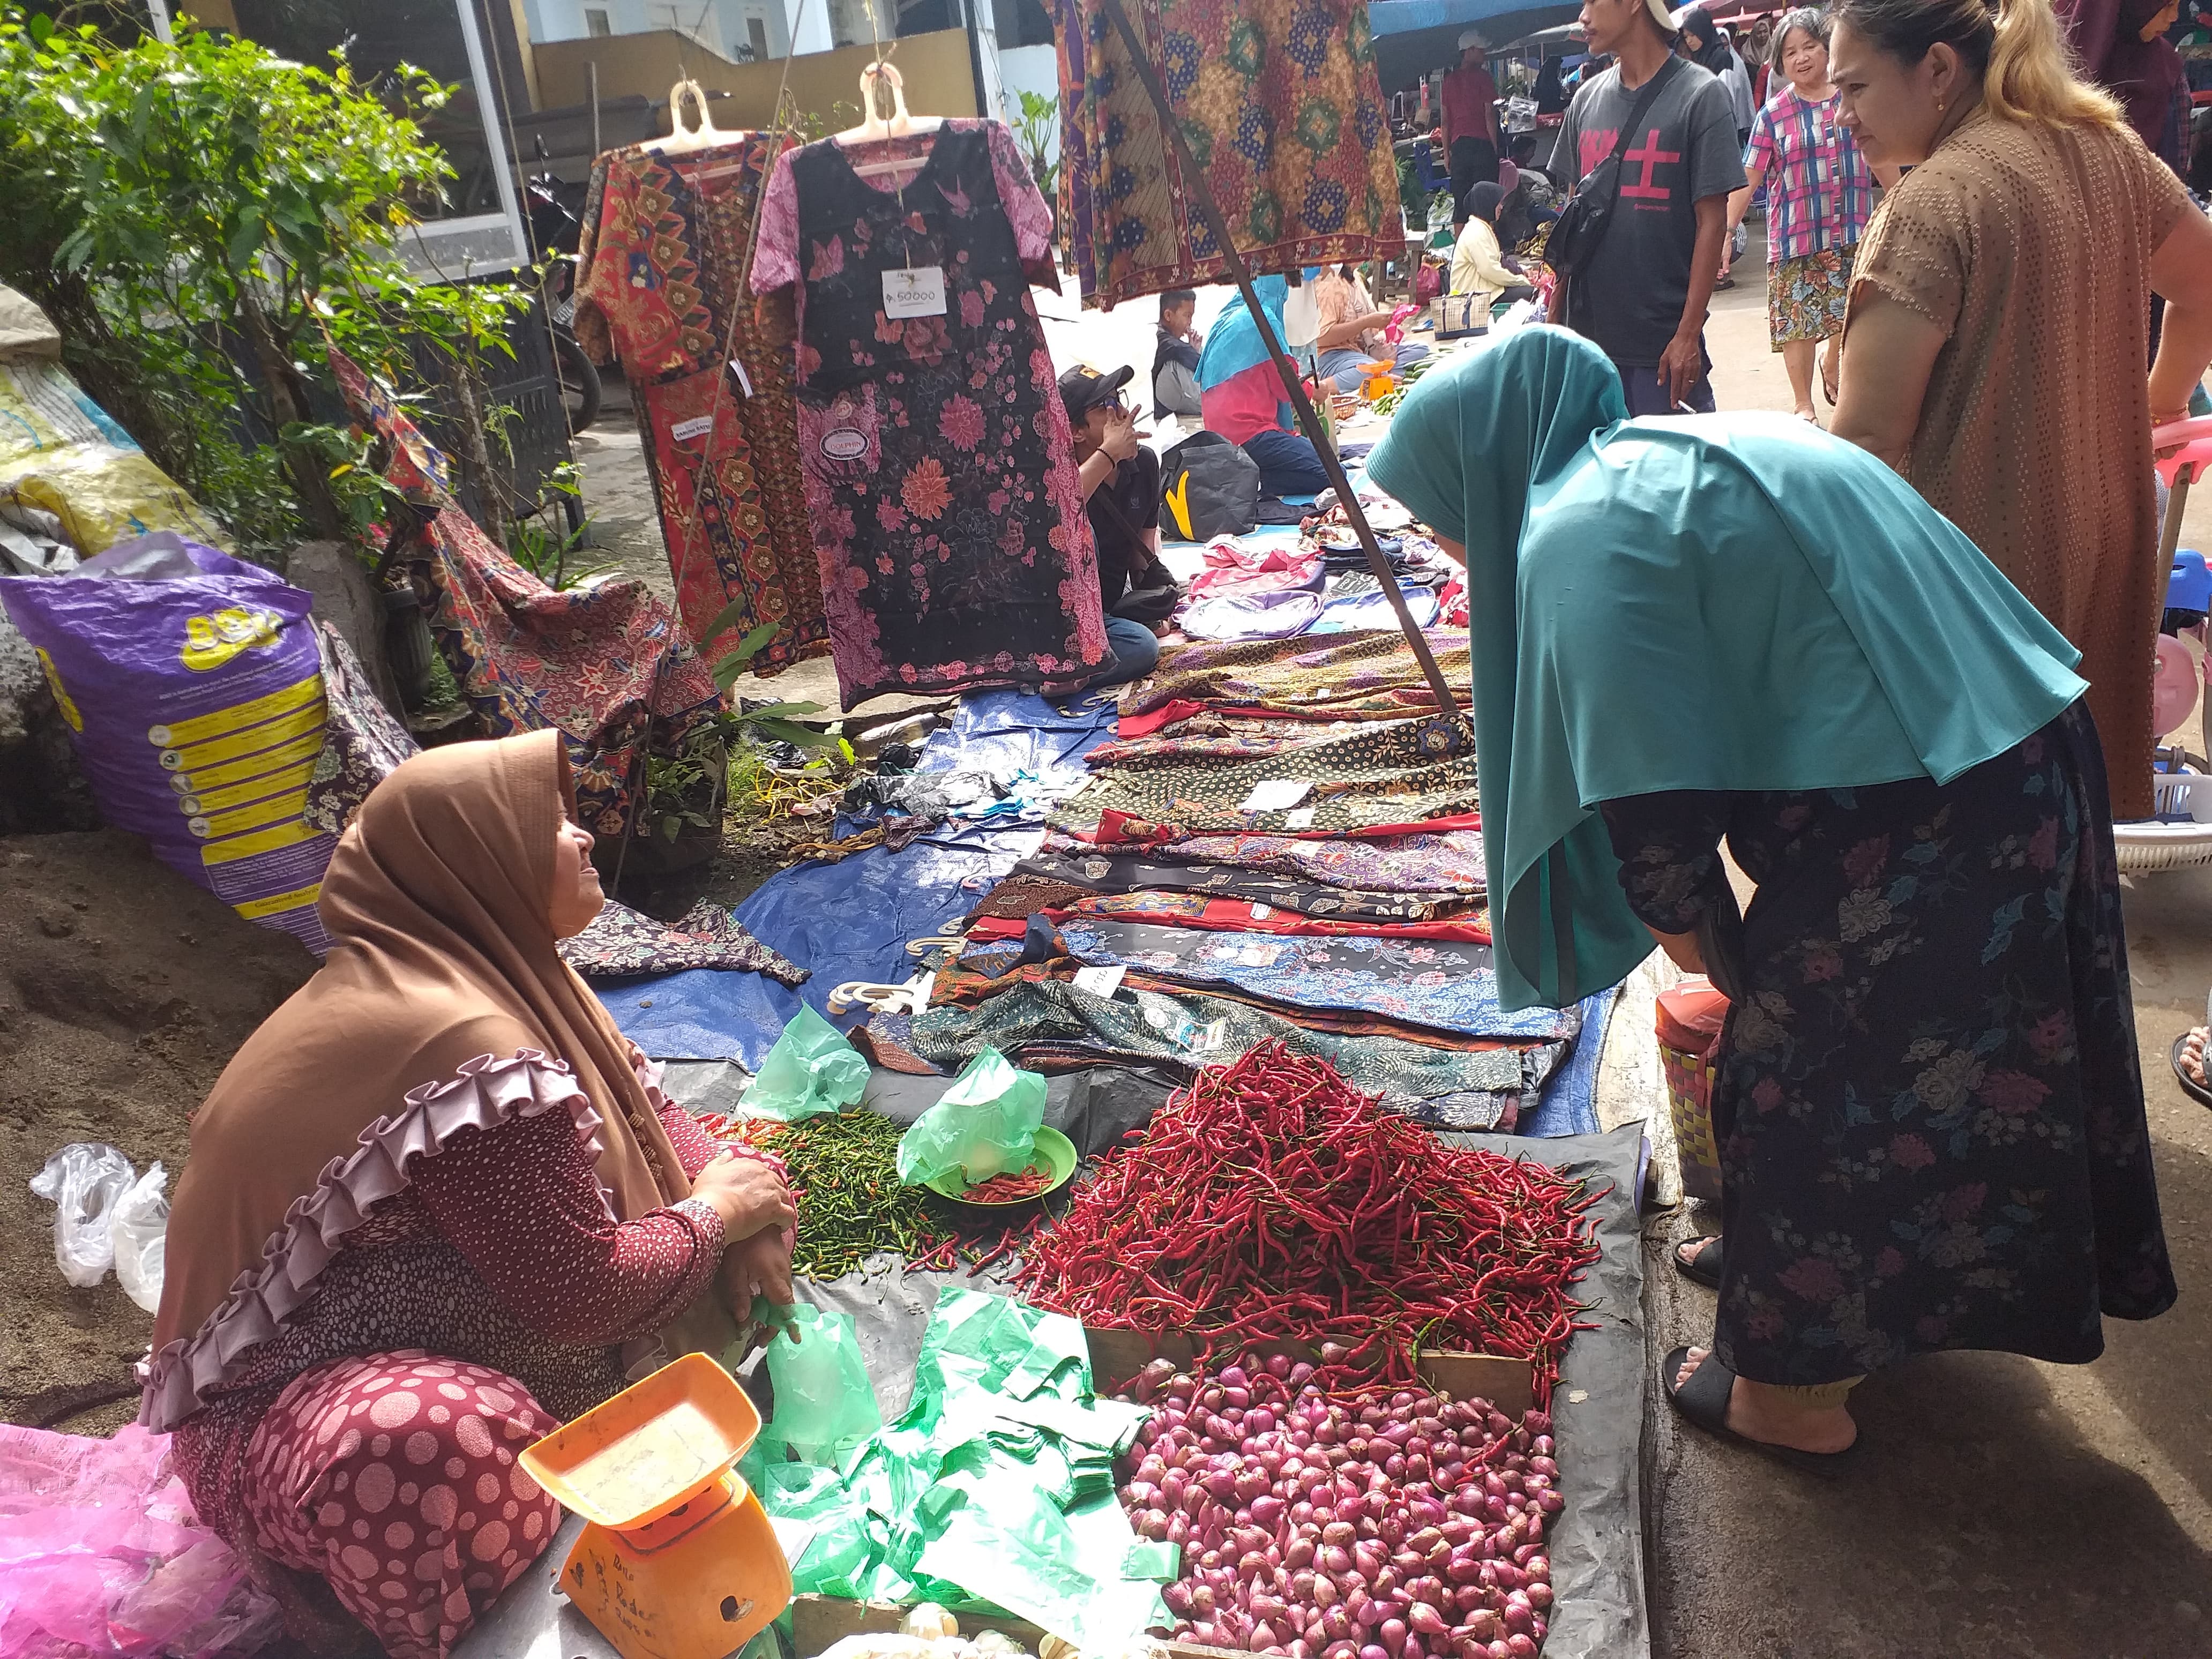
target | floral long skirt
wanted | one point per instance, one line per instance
(1928, 1106)
(1806, 296)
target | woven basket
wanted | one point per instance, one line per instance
(1689, 1016)
(2141, 849)
(1690, 1100)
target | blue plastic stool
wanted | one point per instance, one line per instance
(2189, 587)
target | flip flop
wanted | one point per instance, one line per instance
(1703, 1400)
(2189, 1086)
(1705, 1267)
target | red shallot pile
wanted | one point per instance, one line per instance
(1271, 1201)
(1385, 1524)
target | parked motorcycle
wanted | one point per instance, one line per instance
(555, 229)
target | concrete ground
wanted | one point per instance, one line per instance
(1999, 1508)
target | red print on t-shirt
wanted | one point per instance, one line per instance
(1638, 165)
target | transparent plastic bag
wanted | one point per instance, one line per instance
(83, 1179)
(138, 1229)
(811, 1069)
(105, 1557)
(825, 1405)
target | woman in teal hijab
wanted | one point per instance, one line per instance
(1241, 394)
(1927, 1098)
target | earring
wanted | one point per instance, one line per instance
(1939, 105)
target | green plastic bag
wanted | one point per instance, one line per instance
(811, 1069)
(824, 1406)
(984, 1124)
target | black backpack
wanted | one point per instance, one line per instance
(1208, 487)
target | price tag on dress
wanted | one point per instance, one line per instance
(914, 291)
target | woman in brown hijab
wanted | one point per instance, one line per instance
(435, 1206)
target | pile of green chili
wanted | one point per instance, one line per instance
(844, 1176)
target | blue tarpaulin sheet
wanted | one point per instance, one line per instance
(851, 920)
(846, 921)
(1568, 1103)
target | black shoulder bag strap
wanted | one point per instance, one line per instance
(1621, 140)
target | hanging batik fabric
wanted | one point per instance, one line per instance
(1279, 103)
(659, 268)
(940, 472)
(601, 663)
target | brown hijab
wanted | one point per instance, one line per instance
(438, 906)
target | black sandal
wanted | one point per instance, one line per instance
(1705, 1267)
(2191, 1086)
(1703, 1400)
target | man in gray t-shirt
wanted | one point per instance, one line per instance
(1644, 295)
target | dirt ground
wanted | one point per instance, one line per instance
(123, 992)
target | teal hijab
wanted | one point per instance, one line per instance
(1233, 344)
(1718, 601)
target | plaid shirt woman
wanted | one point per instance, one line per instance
(1819, 193)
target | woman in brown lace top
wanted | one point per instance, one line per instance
(1994, 347)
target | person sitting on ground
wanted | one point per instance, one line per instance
(1478, 266)
(436, 1205)
(1175, 359)
(1243, 399)
(1120, 483)
(1930, 1113)
(1352, 327)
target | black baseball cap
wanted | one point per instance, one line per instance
(1083, 388)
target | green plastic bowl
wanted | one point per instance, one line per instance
(1051, 1148)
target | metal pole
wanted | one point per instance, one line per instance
(1201, 196)
(592, 84)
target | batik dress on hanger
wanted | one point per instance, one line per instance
(1282, 108)
(940, 472)
(659, 274)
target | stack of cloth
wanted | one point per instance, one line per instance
(1282, 842)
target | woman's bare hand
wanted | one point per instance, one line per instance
(747, 1193)
(757, 1266)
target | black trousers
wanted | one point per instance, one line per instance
(1473, 162)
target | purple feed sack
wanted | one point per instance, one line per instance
(192, 686)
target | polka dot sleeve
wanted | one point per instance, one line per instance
(521, 1203)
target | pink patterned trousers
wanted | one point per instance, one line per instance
(393, 1476)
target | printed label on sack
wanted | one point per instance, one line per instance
(698, 427)
(914, 291)
(1099, 982)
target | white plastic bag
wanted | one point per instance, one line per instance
(138, 1227)
(83, 1179)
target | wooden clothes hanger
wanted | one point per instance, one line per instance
(875, 129)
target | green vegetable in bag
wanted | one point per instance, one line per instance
(824, 1406)
(985, 1124)
(811, 1069)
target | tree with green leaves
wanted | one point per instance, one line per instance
(198, 218)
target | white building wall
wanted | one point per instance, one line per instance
(1030, 69)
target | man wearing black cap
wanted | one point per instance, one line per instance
(1121, 497)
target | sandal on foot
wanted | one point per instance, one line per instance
(1705, 1267)
(1705, 1400)
(2196, 1090)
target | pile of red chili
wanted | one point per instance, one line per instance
(1014, 1184)
(1271, 1201)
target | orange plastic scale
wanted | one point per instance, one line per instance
(678, 1559)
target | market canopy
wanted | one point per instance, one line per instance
(1415, 37)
